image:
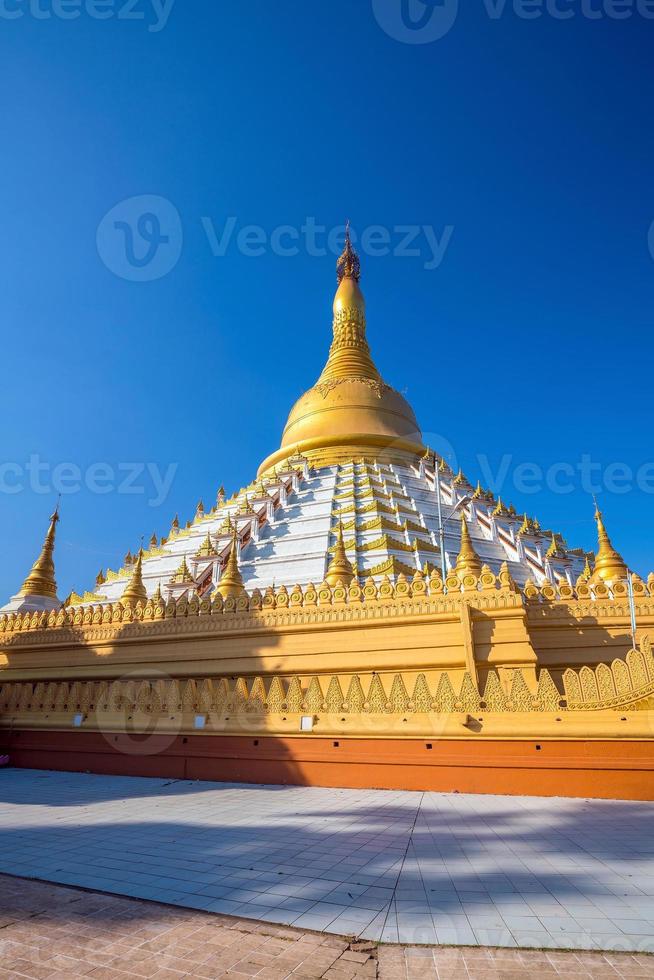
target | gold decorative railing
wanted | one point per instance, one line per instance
(367, 597)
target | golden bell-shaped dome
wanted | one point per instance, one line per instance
(350, 411)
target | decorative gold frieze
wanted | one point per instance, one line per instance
(624, 684)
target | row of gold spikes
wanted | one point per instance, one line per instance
(404, 588)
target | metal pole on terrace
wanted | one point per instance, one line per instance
(441, 529)
(632, 608)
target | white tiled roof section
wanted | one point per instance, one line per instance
(287, 539)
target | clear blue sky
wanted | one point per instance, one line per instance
(532, 139)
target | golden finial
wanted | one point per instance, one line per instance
(135, 589)
(340, 567)
(199, 510)
(207, 549)
(157, 597)
(174, 527)
(347, 264)
(227, 527)
(154, 541)
(41, 579)
(554, 550)
(587, 572)
(183, 574)
(609, 565)
(525, 527)
(246, 507)
(500, 510)
(459, 479)
(468, 561)
(220, 496)
(100, 578)
(128, 559)
(231, 580)
(479, 493)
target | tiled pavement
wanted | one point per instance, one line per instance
(401, 867)
(50, 932)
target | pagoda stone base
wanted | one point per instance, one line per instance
(603, 769)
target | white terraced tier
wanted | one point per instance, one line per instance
(389, 514)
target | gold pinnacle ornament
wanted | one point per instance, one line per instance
(136, 590)
(41, 579)
(231, 580)
(468, 561)
(609, 565)
(340, 567)
(207, 549)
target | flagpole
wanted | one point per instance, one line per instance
(632, 608)
(441, 529)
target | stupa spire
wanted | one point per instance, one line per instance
(136, 589)
(468, 561)
(340, 567)
(350, 409)
(347, 264)
(41, 581)
(231, 580)
(349, 354)
(609, 565)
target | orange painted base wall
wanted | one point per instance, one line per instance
(602, 769)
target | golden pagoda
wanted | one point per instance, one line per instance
(231, 585)
(136, 590)
(511, 658)
(608, 566)
(39, 590)
(340, 567)
(468, 561)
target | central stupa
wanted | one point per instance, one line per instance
(350, 411)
